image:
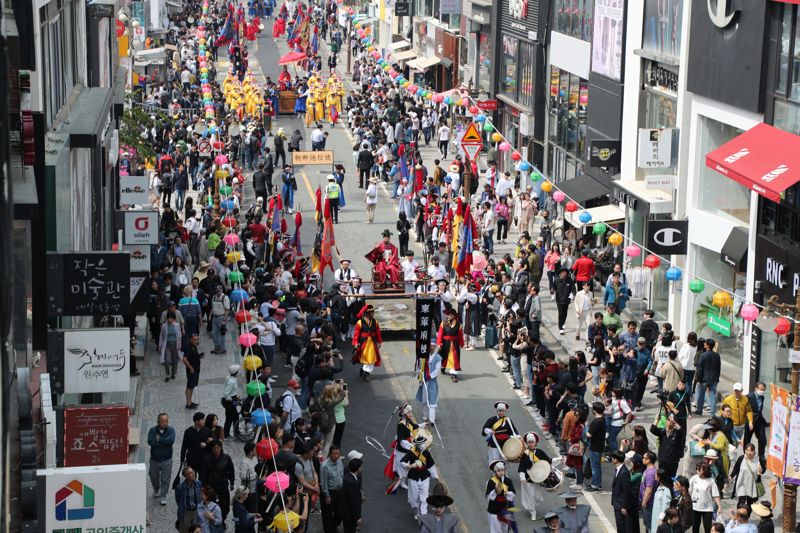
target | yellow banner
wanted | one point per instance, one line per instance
(313, 158)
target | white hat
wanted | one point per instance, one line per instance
(354, 454)
(233, 370)
(738, 386)
(501, 405)
(331, 177)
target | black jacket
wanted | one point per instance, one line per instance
(563, 287)
(670, 447)
(350, 498)
(708, 368)
(218, 472)
(191, 452)
(621, 489)
(758, 414)
(365, 160)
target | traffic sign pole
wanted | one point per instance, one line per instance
(472, 144)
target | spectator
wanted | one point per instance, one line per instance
(741, 412)
(161, 438)
(564, 293)
(188, 496)
(707, 377)
(597, 441)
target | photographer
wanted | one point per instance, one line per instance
(671, 442)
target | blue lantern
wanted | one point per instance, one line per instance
(480, 118)
(524, 166)
(227, 205)
(674, 274)
(239, 296)
(261, 417)
(585, 217)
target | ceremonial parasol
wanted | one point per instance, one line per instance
(291, 57)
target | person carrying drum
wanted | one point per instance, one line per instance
(530, 490)
(420, 467)
(402, 443)
(497, 430)
(500, 493)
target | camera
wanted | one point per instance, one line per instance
(661, 394)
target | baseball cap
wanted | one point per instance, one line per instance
(354, 454)
(738, 386)
(293, 383)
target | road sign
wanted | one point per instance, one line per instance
(471, 142)
(204, 148)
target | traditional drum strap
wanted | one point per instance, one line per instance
(500, 423)
(421, 456)
(532, 455)
(499, 484)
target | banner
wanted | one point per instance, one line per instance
(88, 283)
(792, 475)
(778, 430)
(423, 330)
(95, 436)
(89, 360)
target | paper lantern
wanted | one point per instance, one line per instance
(547, 186)
(516, 156)
(242, 315)
(766, 322)
(480, 118)
(652, 261)
(504, 147)
(473, 109)
(488, 127)
(260, 417)
(239, 295)
(446, 100)
(673, 273)
(570, 206)
(599, 228)
(255, 388)
(227, 205)
(251, 362)
(229, 222)
(247, 339)
(722, 299)
(225, 190)
(697, 286)
(526, 167)
(783, 326)
(231, 239)
(236, 276)
(615, 239)
(234, 257)
(277, 482)
(559, 196)
(749, 312)
(585, 217)
(633, 251)
(266, 449)
(496, 137)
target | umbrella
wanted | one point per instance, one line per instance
(291, 57)
(277, 482)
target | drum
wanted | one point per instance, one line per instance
(513, 448)
(548, 477)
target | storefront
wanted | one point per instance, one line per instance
(475, 73)
(437, 59)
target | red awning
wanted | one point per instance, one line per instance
(764, 159)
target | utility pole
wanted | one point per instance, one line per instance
(790, 490)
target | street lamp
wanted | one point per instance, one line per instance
(789, 490)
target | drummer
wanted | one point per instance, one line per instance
(497, 430)
(500, 493)
(402, 444)
(531, 492)
(420, 467)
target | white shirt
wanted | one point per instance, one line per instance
(269, 331)
(502, 187)
(317, 136)
(372, 194)
(437, 272)
(290, 406)
(488, 220)
(344, 275)
(686, 356)
(409, 270)
(444, 133)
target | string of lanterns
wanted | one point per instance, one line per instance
(653, 261)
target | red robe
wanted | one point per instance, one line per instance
(450, 339)
(384, 267)
(362, 332)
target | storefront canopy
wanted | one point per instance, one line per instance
(609, 214)
(404, 55)
(583, 188)
(397, 45)
(764, 159)
(422, 63)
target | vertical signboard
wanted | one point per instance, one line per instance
(792, 474)
(89, 360)
(608, 38)
(423, 330)
(88, 283)
(776, 452)
(95, 436)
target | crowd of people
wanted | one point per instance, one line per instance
(225, 266)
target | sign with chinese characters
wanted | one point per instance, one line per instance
(324, 157)
(792, 463)
(141, 227)
(423, 329)
(133, 190)
(89, 360)
(88, 283)
(655, 148)
(778, 430)
(98, 499)
(95, 436)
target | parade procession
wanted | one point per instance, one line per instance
(428, 266)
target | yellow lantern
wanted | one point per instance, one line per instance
(234, 257)
(547, 186)
(722, 299)
(615, 239)
(496, 137)
(252, 363)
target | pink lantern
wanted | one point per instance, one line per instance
(559, 196)
(504, 146)
(277, 482)
(438, 98)
(247, 339)
(633, 251)
(473, 109)
(749, 312)
(231, 239)
(393, 74)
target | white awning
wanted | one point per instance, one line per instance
(660, 200)
(609, 214)
(422, 63)
(397, 45)
(404, 55)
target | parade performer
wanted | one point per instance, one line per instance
(384, 257)
(450, 340)
(500, 493)
(367, 342)
(406, 425)
(319, 105)
(311, 102)
(573, 517)
(284, 79)
(420, 467)
(300, 103)
(497, 430)
(469, 312)
(530, 492)
(428, 390)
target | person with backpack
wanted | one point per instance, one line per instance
(190, 309)
(288, 405)
(165, 167)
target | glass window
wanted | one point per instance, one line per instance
(787, 116)
(718, 194)
(508, 83)
(662, 26)
(574, 18)
(794, 90)
(484, 57)
(526, 74)
(569, 100)
(786, 48)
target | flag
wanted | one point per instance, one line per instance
(456, 232)
(298, 221)
(318, 208)
(466, 244)
(315, 41)
(328, 243)
(227, 33)
(403, 167)
(316, 252)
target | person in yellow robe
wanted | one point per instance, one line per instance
(310, 107)
(367, 342)
(319, 106)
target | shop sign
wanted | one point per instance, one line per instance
(660, 181)
(794, 357)
(133, 190)
(655, 148)
(778, 268)
(140, 227)
(487, 105)
(792, 463)
(402, 9)
(719, 324)
(93, 499)
(140, 256)
(605, 153)
(88, 283)
(668, 237)
(95, 436)
(89, 360)
(776, 450)
(450, 7)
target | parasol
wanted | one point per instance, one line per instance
(291, 57)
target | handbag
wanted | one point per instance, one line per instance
(576, 449)
(177, 480)
(695, 450)
(760, 490)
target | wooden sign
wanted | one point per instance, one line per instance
(313, 158)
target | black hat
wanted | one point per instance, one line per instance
(386, 233)
(439, 500)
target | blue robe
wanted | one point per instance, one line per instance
(431, 386)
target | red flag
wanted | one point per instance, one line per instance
(318, 209)
(283, 225)
(466, 243)
(328, 243)
(327, 209)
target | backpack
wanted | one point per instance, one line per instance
(301, 368)
(279, 400)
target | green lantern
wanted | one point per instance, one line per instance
(535, 176)
(256, 388)
(225, 190)
(488, 127)
(599, 228)
(697, 286)
(236, 277)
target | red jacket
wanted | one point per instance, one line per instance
(584, 269)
